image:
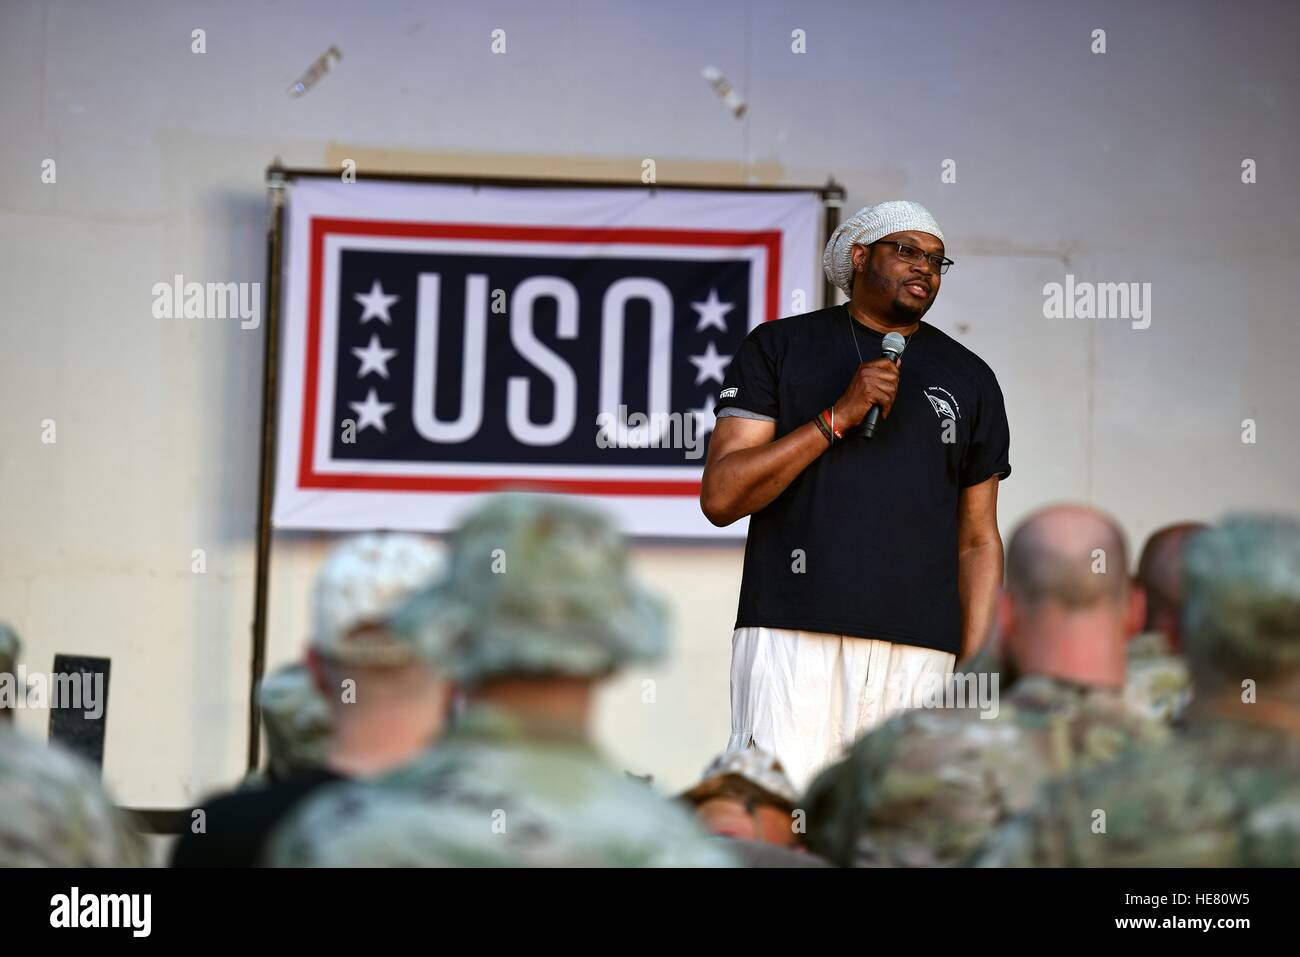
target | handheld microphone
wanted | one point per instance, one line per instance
(891, 348)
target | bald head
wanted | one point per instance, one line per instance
(1072, 556)
(1067, 610)
(1160, 573)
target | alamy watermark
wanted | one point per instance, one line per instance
(656, 430)
(972, 689)
(1098, 300)
(208, 300)
(130, 911)
(72, 691)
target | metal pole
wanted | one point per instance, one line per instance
(288, 173)
(275, 182)
(833, 196)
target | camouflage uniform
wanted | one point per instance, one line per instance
(924, 789)
(536, 587)
(54, 813)
(1226, 792)
(497, 792)
(1157, 683)
(296, 719)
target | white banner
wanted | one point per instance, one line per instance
(440, 343)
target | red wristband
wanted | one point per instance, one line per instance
(828, 418)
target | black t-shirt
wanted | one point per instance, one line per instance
(864, 541)
(238, 824)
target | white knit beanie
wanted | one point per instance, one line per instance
(866, 226)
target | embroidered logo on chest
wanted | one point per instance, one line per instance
(943, 402)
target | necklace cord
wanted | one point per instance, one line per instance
(854, 333)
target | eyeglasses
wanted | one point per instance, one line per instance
(913, 254)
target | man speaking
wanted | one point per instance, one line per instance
(872, 562)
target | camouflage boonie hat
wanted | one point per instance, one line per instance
(537, 585)
(10, 646)
(751, 772)
(297, 720)
(1243, 594)
(365, 579)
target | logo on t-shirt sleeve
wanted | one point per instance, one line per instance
(728, 393)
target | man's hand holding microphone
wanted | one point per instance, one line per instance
(872, 389)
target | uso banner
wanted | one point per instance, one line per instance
(442, 342)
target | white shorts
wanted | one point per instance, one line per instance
(805, 696)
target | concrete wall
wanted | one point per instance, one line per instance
(1115, 167)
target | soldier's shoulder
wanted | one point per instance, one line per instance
(922, 789)
(1043, 702)
(1218, 796)
(48, 764)
(1151, 807)
(320, 823)
(588, 802)
(1149, 644)
(668, 830)
(56, 812)
(918, 742)
(1231, 785)
(1074, 727)
(939, 724)
(1084, 817)
(1158, 687)
(490, 806)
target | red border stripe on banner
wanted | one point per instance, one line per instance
(321, 227)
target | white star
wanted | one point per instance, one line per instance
(705, 420)
(374, 357)
(371, 412)
(711, 364)
(376, 303)
(711, 312)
